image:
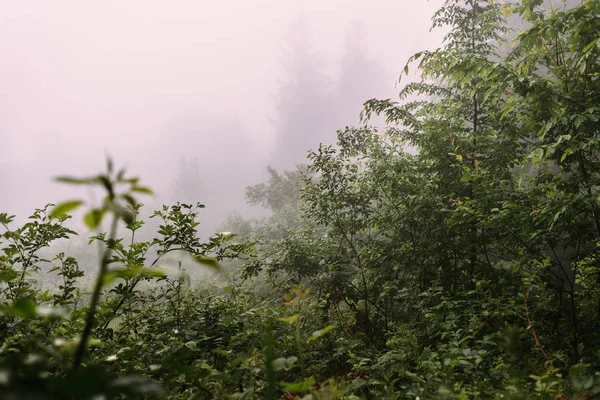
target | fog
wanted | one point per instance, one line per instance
(230, 87)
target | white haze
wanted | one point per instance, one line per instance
(150, 82)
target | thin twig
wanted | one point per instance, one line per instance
(537, 341)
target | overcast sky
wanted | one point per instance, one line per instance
(82, 79)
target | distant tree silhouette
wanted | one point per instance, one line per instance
(361, 78)
(304, 102)
(187, 185)
(310, 106)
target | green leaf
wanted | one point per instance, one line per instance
(24, 308)
(125, 213)
(284, 363)
(566, 154)
(321, 332)
(298, 387)
(7, 274)
(206, 261)
(93, 218)
(142, 189)
(355, 384)
(290, 320)
(75, 181)
(192, 345)
(130, 200)
(129, 273)
(278, 364)
(105, 181)
(537, 155)
(65, 207)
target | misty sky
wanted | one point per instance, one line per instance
(82, 79)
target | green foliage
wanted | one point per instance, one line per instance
(465, 269)
(70, 272)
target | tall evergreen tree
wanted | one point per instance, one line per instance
(187, 186)
(361, 77)
(304, 102)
